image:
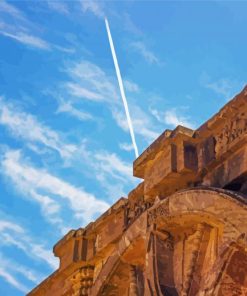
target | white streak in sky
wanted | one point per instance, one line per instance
(120, 82)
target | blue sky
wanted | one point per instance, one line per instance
(65, 148)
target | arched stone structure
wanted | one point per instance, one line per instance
(199, 228)
(181, 232)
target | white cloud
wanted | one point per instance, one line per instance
(17, 27)
(141, 122)
(38, 184)
(12, 236)
(7, 8)
(22, 35)
(126, 146)
(172, 118)
(142, 49)
(113, 165)
(44, 254)
(67, 107)
(91, 81)
(93, 77)
(69, 50)
(28, 128)
(110, 170)
(4, 273)
(15, 268)
(4, 224)
(81, 92)
(102, 88)
(48, 205)
(131, 86)
(130, 26)
(145, 130)
(58, 6)
(223, 87)
(28, 178)
(27, 39)
(93, 6)
(115, 189)
(113, 174)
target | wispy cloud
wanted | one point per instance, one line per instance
(9, 278)
(223, 87)
(130, 26)
(12, 10)
(91, 82)
(131, 86)
(141, 48)
(50, 208)
(110, 170)
(40, 185)
(10, 270)
(141, 122)
(13, 234)
(15, 25)
(19, 123)
(111, 164)
(112, 173)
(58, 6)
(95, 80)
(81, 92)
(67, 107)
(172, 117)
(69, 50)
(126, 146)
(28, 178)
(94, 7)
(18, 27)
(5, 224)
(28, 39)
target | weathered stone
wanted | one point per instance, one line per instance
(182, 231)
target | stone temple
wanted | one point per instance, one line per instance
(181, 232)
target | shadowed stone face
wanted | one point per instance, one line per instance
(181, 232)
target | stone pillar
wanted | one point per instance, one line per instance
(82, 281)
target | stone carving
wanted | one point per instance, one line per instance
(161, 210)
(232, 131)
(134, 210)
(170, 236)
(82, 281)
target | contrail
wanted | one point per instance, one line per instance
(120, 82)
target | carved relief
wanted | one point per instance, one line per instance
(134, 210)
(82, 281)
(232, 131)
(161, 210)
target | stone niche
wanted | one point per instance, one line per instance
(181, 232)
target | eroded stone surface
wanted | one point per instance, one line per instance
(182, 231)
